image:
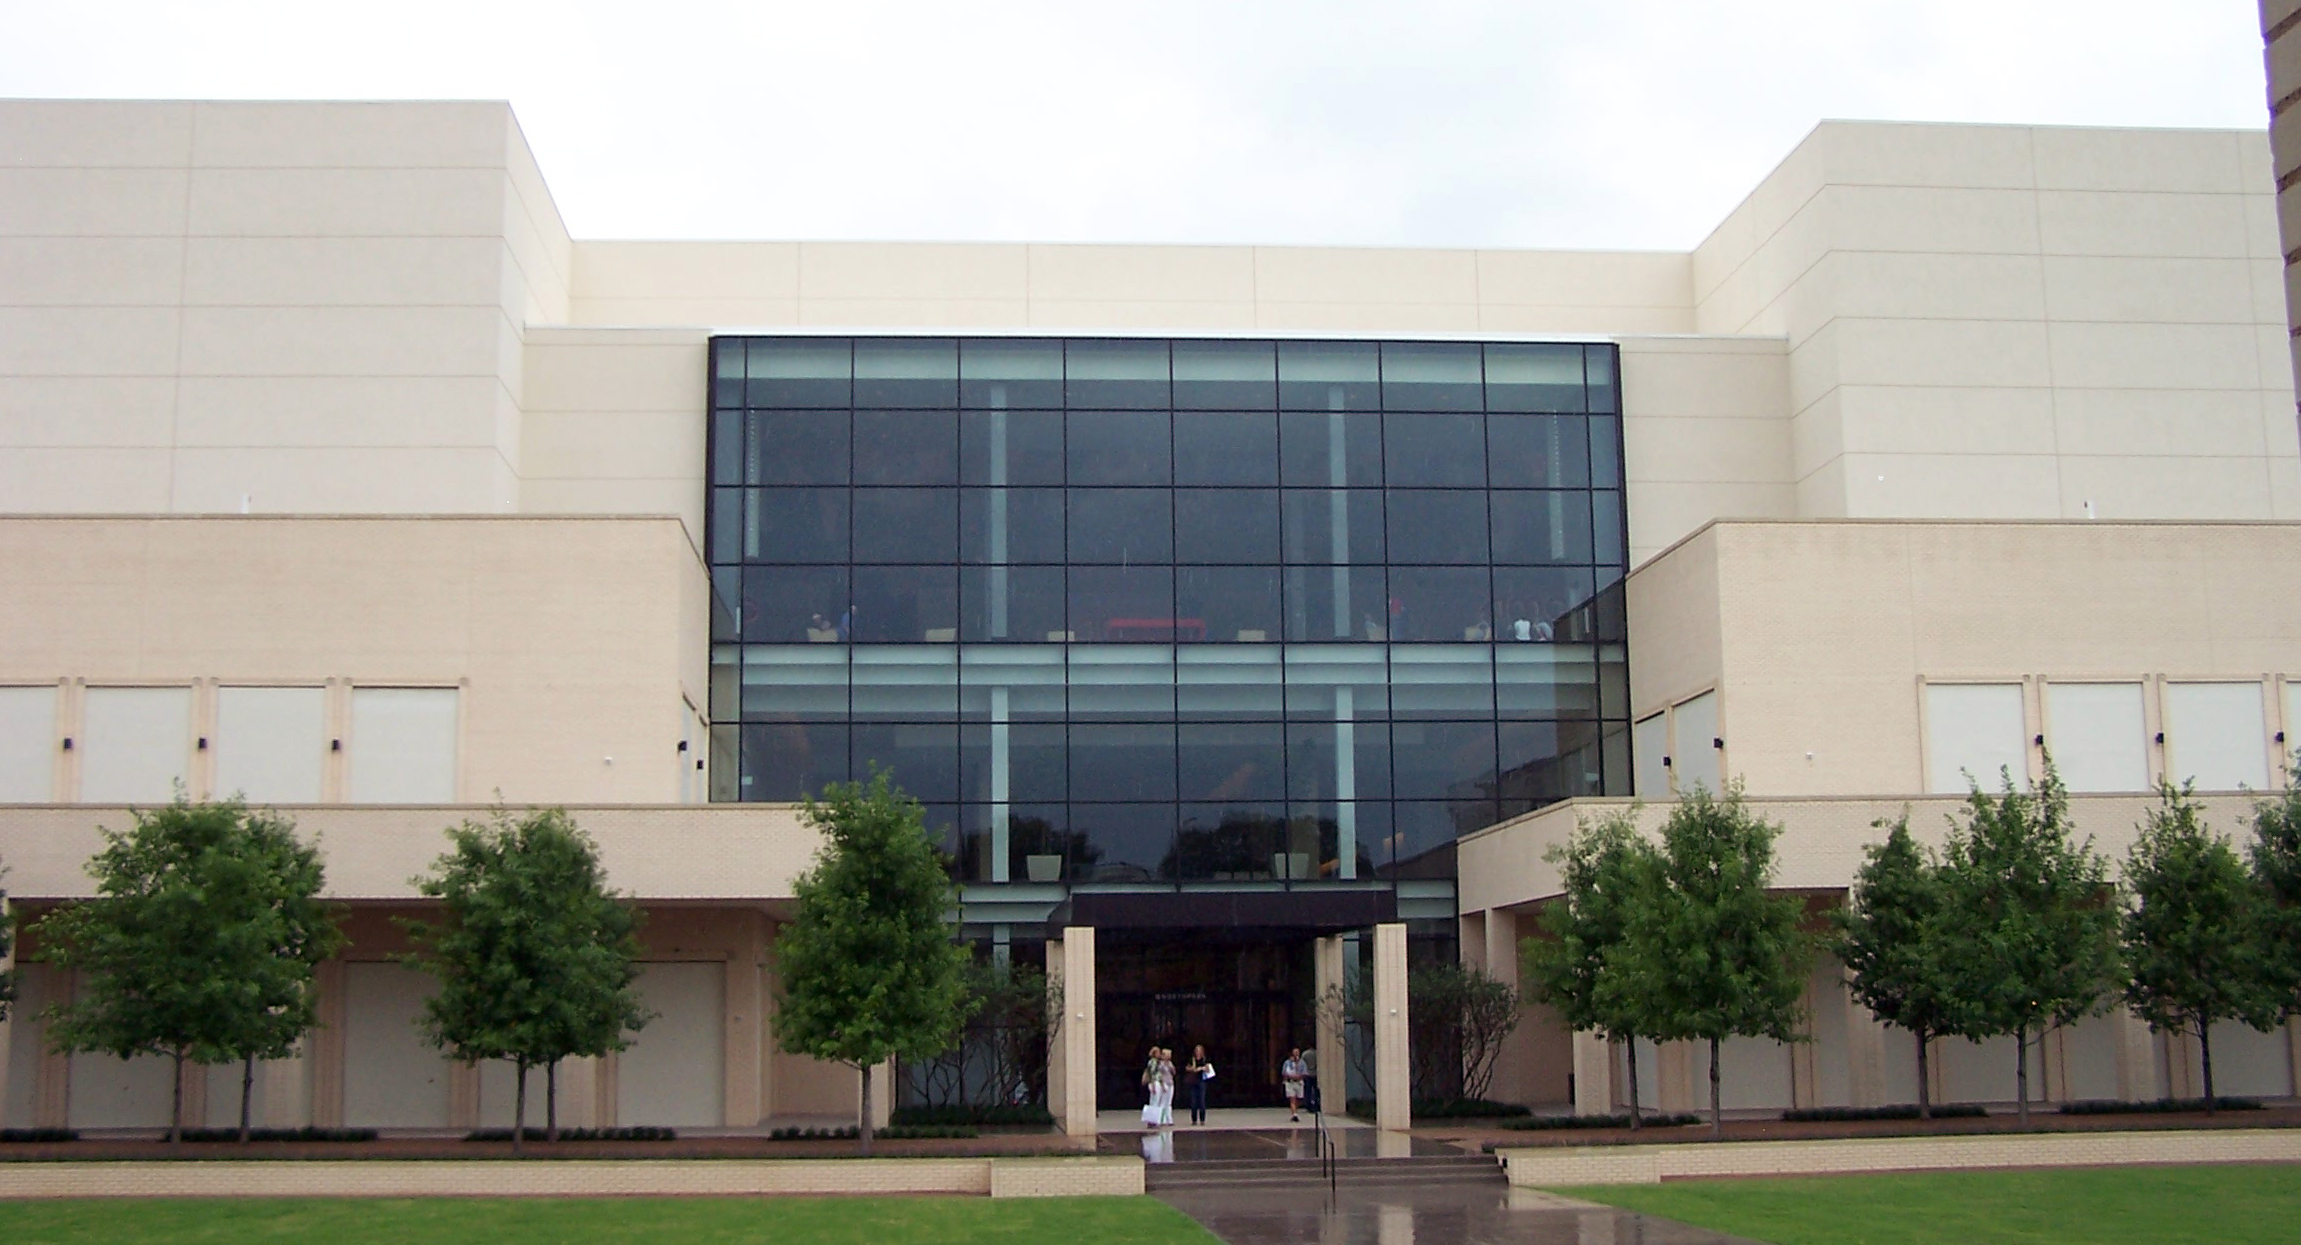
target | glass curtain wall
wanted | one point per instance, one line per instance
(1150, 612)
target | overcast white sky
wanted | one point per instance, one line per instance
(1606, 123)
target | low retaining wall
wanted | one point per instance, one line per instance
(993, 1177)
(1551, 1167)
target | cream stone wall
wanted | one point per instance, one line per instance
(574, 643)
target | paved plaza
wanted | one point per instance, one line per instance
(1407, 1212)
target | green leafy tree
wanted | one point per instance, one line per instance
(2193, 930)
(868, 968)
(1889, 936)
(1607, 873)
(2031, 924)
(2275, 855)
(199, 945)
(535, 956)
(1715, 953)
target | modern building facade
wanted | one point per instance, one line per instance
(1234, 610)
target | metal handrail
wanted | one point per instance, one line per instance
(1329, 1160)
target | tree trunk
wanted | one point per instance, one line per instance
(1717, 1115)
(1925, 1096)
(2205, 1052)
(519, 1109)
(551, 1101)
(176, 1108)
(1631, 1048)
(863, 1121)
(247, 1091)
(2021, 1074)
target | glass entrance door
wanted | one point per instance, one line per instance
(1239, 1000)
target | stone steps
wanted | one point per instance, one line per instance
(1285, 1173)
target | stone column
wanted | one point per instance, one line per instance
(1074, 1046)
(1865, 1054)
(1393, 1075)
(882, 1094)
(2136, 1058)
(325, 1047)
(745, 1034)
(1333, 1053)
(1593, 1074)
(1512, 1070)
(578, 1092)
(287, 1089)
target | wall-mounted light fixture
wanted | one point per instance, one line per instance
(1716, 742)
(683, 745)
(2039, 741)
(203, 743)
(335, 745)
(67, 743)
(1665, 762)
(2161, 736)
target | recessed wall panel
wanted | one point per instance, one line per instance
(135, 744)
(2213, 736)
(270, 743)
(27, 745)
(391, 1078)
(1974, 735)
(1694, 753)
(403, 745)
(2097, 737)
(672, 1073)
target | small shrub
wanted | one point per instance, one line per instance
(1900, 1111)
(641, 1132)
(962, 1114)
(1467, 1109)
(39, 1134)
(306, 1133)
(893, 1132)
(2112, 1106)
(1540, 1122)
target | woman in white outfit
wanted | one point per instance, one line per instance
(1166, 1080)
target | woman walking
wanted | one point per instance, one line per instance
(1166, 1078)
(1195, 1075)
(1150, 1080)
(1292, 1074)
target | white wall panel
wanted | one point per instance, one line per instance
(271, 743)
(1693, 753)
(403, 745)
(391, 1079)
(2248, 1062)
(2214, 736)
(122, 1093)
(2292, 722)
(27, 745)
(673, 1072)
(1976, 729)
(2097, 737)
(32, 994)
(224, 1095)
(1981, 1071)
(135, 744)
(1649, 743)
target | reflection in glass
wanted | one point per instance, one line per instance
(922, 758)
(796, 447)
(1123, 760)
(1537, 451)
(1332, 525)
(1126, 526)
(1117, 447)
(796, 525)
(906, 447)
(1330, 450)
(1226, 526)
(1010, 372)
(796, 604)
(1231, 761)
(1541, 527)
(1436, 527)
(1543, 604)
(1220, 375)
(1118, 843)
(798, 371)
(1010, 447)
(1329, 376)
(1011, 525)
(1533, 377)
(906, 371)
(791, 760)
(1434, 451)
(1116, 374)
(1237, 448)
(1021, 604)
(1431, 376)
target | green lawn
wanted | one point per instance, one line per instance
(2111, 1206)
(624, 1221)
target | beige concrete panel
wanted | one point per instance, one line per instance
(335, 480)
(332, 202)
(2156, 356)
(350, 135)
(1689, 449)
(2198, 161)
(1940, 352)
(1663, 512)
(391, 1078)
(1674, 627)
(1818, 434)
(1782, 194)
(2285, 489)
(2153, 290)
(1898, 285)
(264, 413)
(95, 480)
(1814, 367)
(680, 496)
(1778, 724)
(2288, 212)
(90, 271)
(896, 271)
(1365, 276)
(1713, 378)
(53, 133)
(1368, 317)
(2164, 487)
(1962, 486)
(2266, 275)
(1579, 321)
(902, 313)
(1609, 279)
(536, 265)
(1934, 220)
(88, 341)
(1123, 274)
(532, 204)
(1751, 298)
(343, 341)
(1823, 491)
(2183, 225)
(681, 271)
(2281, 431)
(1392, 1024)
(1180, 318)
(1943, 420)
(346, 272)
(720, 313)
(91, 411)
(2273, 347)
(1924, 154)
(638, 372)
(607, 445)
(673, 1072)
(87, 202)
(2164, 422)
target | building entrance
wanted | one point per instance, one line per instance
(1245, 1001)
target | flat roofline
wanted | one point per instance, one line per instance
(1708, 525)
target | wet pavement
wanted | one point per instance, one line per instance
(1199, 1145)
(1435, 1213)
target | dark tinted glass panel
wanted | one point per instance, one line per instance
(1605, 451)
(1332, 525)
(1011, 525)
(1533, 378)
(726, 524)
(727, 448)
(1039, 768)
(1423, 833)
(1434, 451)
(1329, 376)
(795, 604)
(1609, 612)
(1605, 386)
(1438, 603)
(921, 758)
(1023, 604)
(796, 525)
(1226, 447)
(906, 604)
(1606, 522)
(1226, 525)
(1002, 373)
(1330, 450)
(1545, 762)
(1542, 604)
(1353, 838)
(1231, 761)
(906, 525)
(1442, 760)
(797, 447)
(1547, 527)
(1123, 761)
(790, 760)
(1537, 451)
(1431, 376)
(726, 600)
(1114, 604)
(1329, 761)
(1213, 376)
(906, 447)
(1227, 603)
(799, 371)
(906, 371)
(1122, 842)
(1240, 841)
(1336, 603)
(1130, 374)
(727, 372)
(1127, 526)
(1436, 527)
(1011, 447)
(1118, 447)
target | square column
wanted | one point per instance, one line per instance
(1071, 1062)
(1393, 1077)
(1333, 1065)
(1513, 1068)
(2137, 1079)
(1593, 1074)
(287, 1089)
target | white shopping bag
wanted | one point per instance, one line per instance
(1150, 1115)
